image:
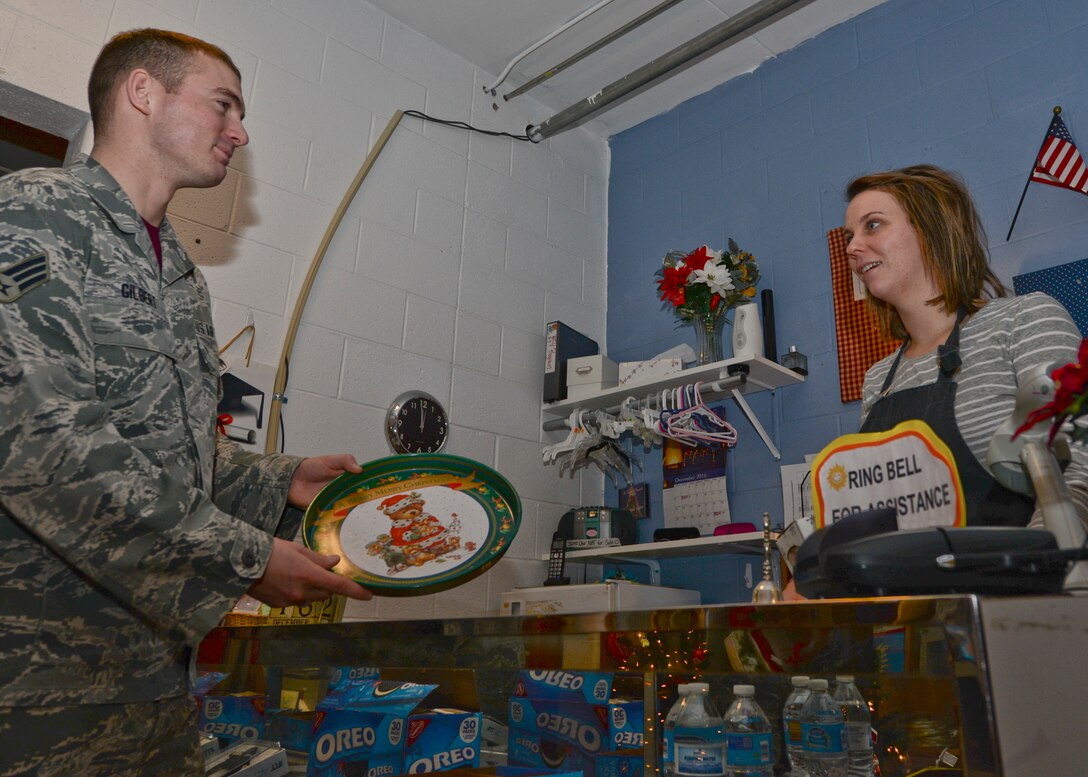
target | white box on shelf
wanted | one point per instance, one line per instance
(583, 391)
(609, 596)
(589, 375)
(591, 369)
(638, 372)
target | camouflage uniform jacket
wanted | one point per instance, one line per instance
(128, 527)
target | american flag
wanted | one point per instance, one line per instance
(1059, 162)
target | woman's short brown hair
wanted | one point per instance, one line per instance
(950, 233)
(166, 55)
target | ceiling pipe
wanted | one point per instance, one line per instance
(579, 56)
(733, 27)
(563, 28)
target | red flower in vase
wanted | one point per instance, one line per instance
(703, 283)
(698, 258)
(672, 284)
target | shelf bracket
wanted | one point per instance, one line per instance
(739, 398)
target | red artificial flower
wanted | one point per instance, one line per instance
(693, 293)
(1043, 413)
(672, 284)
(1070, 396)
(1072, 379)
(697, 259)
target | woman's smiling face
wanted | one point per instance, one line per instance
(884, 249)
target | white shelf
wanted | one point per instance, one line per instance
(650, 554)
(749, 542)
(763, 375)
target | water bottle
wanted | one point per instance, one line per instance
(670, 723)
(823, 733)
(859, 744)
(791, 725)
(698, 746)
(747, 736)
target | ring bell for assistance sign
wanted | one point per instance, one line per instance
(907, 468)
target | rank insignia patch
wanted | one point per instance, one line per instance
(19, 278)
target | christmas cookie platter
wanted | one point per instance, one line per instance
(411, 525)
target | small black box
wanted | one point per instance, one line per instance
(670, 533)
(562, 343)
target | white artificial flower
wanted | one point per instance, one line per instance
(715, 276)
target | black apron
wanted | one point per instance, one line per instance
(988, 502)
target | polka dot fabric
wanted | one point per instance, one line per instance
(1067, 283)
(860, 343)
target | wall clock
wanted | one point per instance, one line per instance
(416, 423)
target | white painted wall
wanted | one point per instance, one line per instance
(453, 256)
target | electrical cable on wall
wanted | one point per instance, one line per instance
(283, 427)
(279, 398)
(463, 125)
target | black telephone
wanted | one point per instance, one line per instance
(557, 561)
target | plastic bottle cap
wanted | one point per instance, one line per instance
(683, 689)
(744, 690)
(844, 678)
(800, 681)
(698, 688)
(818, 685)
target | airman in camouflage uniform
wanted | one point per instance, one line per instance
(128, 527)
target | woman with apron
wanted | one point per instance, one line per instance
(930, 409)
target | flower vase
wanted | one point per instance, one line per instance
(747, 331)
(708, 337)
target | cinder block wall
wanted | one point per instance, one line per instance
(452, 257)
(764, 159)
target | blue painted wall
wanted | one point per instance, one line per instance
(968, 85)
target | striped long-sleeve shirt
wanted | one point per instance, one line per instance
(998, 345)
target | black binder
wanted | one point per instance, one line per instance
(563, 343)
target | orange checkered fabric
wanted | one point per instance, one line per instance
(860, 342)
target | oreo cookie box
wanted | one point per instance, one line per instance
(229, 716)
(560, 685)
(568, 720)
(371, 728)
(625, 724)
(292, 725)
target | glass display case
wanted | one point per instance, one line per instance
(986, 686)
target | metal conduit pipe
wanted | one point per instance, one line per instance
(733, 27)
(510, 66)
(579, 56)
